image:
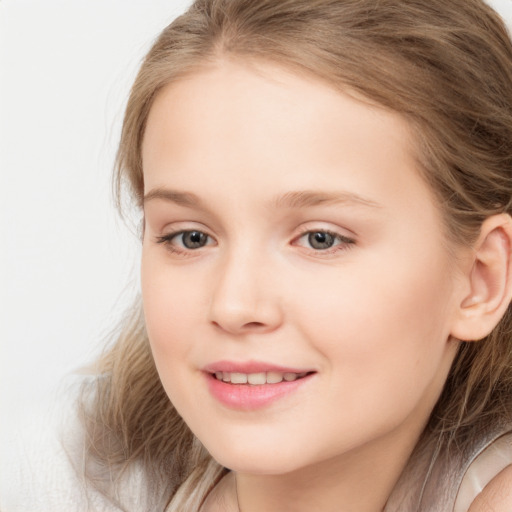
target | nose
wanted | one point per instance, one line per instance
(246, 298)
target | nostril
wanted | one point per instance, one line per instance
(242, 328)
(248, 325)
(253, 325)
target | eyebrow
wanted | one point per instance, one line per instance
(308, 198)
(173, 196)
(294, 199)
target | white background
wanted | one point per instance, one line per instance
(68, 264)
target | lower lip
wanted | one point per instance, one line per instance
(250, 397)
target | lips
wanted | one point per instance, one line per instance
(253, 385)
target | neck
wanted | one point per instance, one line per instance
(359, 481)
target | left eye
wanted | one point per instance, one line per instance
(323, 240)
(186, 239)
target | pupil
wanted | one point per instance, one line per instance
(320, 240)
(194, 239)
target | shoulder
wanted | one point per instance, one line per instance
(496, 495)
(39, 470)
(489, 470)
(35, 470)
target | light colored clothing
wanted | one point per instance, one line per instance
(41, 462)
(36, 470)
(449, 479)
(491, 461)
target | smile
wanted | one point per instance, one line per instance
(257, 379)
(253, 386)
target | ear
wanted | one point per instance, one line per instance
(488, 281)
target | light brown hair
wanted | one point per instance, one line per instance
(446, 67)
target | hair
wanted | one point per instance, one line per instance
(446, 67)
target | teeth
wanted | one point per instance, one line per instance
(274, 377)
(238, 378)
(257, 379)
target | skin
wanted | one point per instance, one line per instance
(373, 316)
(497, 495)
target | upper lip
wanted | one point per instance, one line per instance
(251, 367)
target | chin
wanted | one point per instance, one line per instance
(256, 459)
(262, 467)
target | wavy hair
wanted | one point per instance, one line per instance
(446, 67)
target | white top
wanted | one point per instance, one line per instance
(37, 475)
(483, 469)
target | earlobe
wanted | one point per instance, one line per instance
(489, 280)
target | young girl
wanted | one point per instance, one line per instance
(326, 276)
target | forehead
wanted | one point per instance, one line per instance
(262, 128)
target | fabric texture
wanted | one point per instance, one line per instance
(39, 460)
(449, 479)
(493, 459)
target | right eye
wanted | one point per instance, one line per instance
(185, 240)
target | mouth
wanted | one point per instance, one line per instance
(254, 386)
(259, 378)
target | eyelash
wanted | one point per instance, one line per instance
(167, 240)
(342, 243)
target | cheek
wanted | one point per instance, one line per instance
(374, 307)
(382, 331)
(171, 306)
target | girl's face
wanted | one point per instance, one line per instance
(291, 242)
